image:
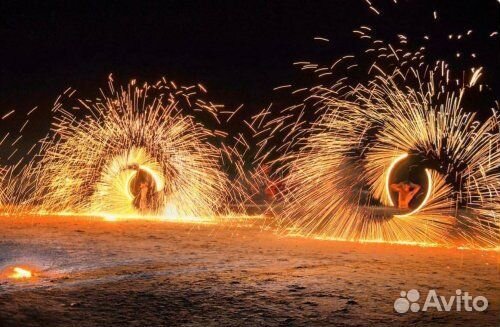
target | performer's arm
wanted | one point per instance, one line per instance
(416, 188)
(396, 187)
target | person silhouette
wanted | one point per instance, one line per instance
(143, 197)
(406, 192)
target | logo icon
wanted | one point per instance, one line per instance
(407, 301)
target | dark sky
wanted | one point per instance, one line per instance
(239, 50)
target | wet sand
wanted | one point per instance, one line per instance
(142, 273)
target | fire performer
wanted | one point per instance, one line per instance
(143, 197)
(271, 186)
(406, 192)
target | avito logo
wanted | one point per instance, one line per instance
(461, 301)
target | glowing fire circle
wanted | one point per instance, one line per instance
(118, 190)
(146, 175)
(390, 173)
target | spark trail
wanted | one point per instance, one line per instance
(102, 153)
(402, 113)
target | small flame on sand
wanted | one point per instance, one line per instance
(20, 273)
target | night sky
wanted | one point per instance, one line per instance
(240, 50)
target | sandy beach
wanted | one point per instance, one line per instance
(90, 272)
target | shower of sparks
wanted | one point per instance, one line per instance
(13, 162)
(101, 150)
(335, 170)
(332, 173)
